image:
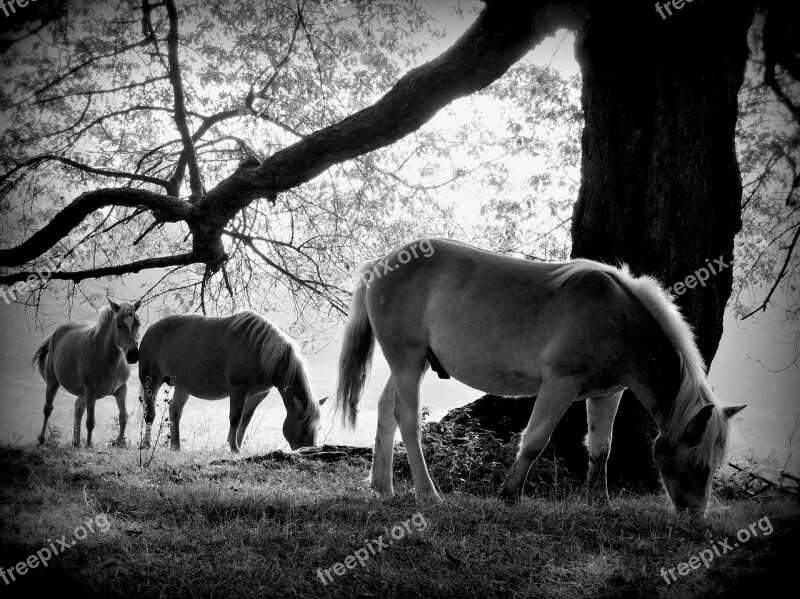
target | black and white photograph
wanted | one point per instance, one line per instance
(361, 299)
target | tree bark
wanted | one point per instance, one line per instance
(660, 186)
(661, 189)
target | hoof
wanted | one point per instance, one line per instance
(40, 440)
(429, 497)
(510, 498)
(121, 443)
(384, 491)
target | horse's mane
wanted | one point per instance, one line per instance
(694, 391)
(275, 348)
(104, 318)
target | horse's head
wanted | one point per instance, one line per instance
(688, 464)
(126, 329)
(302, 422)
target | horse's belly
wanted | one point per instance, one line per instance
(494, 378)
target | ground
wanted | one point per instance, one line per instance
(199, 524)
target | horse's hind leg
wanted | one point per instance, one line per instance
(555, 396)
(238, 398)
(121, 395)
(381, 474)
(179, 399)
(80, 407)
(600, 412)
(409, 419)
(91, 399)
(247, 414)
(49, 397)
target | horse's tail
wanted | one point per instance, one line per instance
(355, 358)
(39, 361)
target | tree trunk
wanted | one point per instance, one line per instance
(661, 189)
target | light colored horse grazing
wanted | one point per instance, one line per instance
(511, 327)
(90, 360)
(241, 357)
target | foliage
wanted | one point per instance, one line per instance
(465, 458)
(87, 102)
(768, 148)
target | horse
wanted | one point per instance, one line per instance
(241, 357)
(563, 331)
(90, 360)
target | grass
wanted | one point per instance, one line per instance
(189, 527)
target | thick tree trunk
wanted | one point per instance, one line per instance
(661, 188)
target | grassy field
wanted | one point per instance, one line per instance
(185, 526)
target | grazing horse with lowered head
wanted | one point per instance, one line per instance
(511, 327)
(241, 357)
(90, 360)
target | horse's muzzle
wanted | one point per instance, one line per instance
(132, 356)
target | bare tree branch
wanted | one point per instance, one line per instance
(781, 274)
(107, 271)
(500, 36)
(86, 169)
(165, 208)
(181, 119)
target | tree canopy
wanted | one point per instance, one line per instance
(251, 151)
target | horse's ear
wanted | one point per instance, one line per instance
(696, 428)
(323, 400)
(114, 306)
(137, 305)
(731, 411)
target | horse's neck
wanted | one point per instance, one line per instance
(294, 390)
(657, 371)
(102, 345)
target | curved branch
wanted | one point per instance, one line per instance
(105, 271)
(86, 169)
(781, 275)
(165, 208)
(500, 36)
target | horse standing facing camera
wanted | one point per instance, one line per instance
(90, 360)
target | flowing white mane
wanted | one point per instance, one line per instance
(694, 391)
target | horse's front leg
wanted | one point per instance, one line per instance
(600, 412)
(555, 396)
(238, 398)
(149, 390)
(121, 395)
(80, 408)
(247, 414)
(382, 456)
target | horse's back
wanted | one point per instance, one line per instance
(203, 353)
(474, 307)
